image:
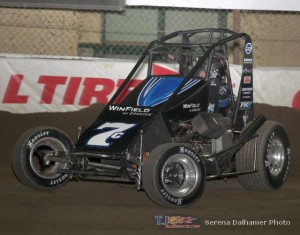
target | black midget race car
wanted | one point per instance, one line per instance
(172, 132)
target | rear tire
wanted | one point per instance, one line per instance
(28, 158)
(272, 159)
(173, 175)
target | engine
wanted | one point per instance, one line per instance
(208, 134)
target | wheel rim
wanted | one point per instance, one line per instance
(179, 175)
(275, 157)
(43, 147)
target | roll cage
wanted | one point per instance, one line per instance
(192, 49)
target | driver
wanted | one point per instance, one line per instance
(217, 69)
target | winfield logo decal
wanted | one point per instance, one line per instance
(131, 111)
(177, 222)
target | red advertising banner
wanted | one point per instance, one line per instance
(36, 84)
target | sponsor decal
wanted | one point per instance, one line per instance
(213, 82)
(248, 48)
(131, 111)
(245, 117)
(108, 132)
(170, 198)
(177, 222)
(59, 180)
(211, 108)
(247, 89)
(247, 80)
(246, 105)
(247, 93)
(247, 70)
(222, 90)
(190, 153)
(248, 60)
(213, 74)
(192, 107)
(37, 137)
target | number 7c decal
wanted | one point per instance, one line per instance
(108, 132)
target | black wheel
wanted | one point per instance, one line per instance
(272, 158)
(173, 175)
(28, 160)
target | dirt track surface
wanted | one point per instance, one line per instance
(113, 208)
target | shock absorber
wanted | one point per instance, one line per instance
(139, 167)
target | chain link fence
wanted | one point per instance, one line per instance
(275, 35)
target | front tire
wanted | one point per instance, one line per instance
(28, 160)
(272, 159)
(173, 175)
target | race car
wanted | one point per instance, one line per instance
(172, 132)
